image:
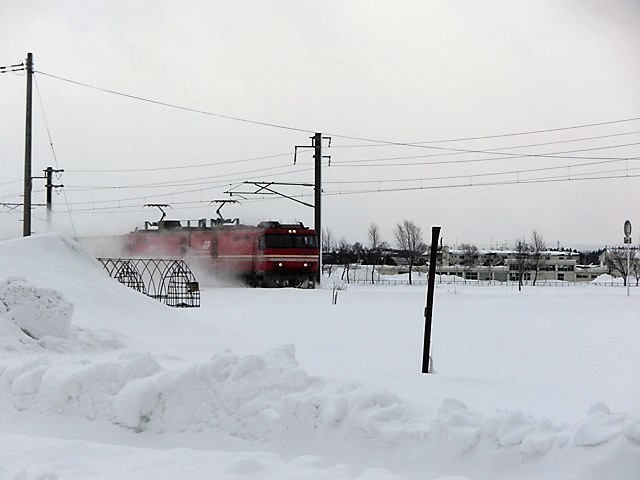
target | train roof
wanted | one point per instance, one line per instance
(217, 223)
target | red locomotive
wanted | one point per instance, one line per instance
(270, 254)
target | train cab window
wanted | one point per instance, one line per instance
(278, 241)
(291, 241)
(305, 241)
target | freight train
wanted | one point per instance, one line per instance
(270, 254)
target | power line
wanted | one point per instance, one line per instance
(556, 155)
(485, 137)
(422, 144)
(265, 157)
(511, 147)
(177, 107)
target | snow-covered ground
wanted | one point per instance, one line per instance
(98, 381)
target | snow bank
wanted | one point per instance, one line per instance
(36, 319)
(606, 279)
(38, 312)
(84, 388)
(270, 399)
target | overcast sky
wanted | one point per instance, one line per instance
(386, 71)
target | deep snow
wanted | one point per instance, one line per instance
(282, 384)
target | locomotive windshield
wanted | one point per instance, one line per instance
(291, 241)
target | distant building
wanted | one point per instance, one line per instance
(503, 265)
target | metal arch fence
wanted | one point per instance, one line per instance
(167, 280)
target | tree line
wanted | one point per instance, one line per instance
(410, 245)
(409, 241)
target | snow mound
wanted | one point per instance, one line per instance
(36, 319)
(38, 312)
(270, 399)
(78, 388)
(605, 278)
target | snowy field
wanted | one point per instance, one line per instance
(100, 382)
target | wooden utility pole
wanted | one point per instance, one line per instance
(26, 226)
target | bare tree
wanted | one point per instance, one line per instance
(329, 243)
(470, 256)
(328, 247)
(635, 267)
(409, 238)
(344, 257)
(375, 240)
(538, 246)
(616, 260)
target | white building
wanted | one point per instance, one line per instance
(503, 265)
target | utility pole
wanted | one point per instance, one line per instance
(627, 241)
(316, 144)
(26, 226)
(49, 171)
(317, 224)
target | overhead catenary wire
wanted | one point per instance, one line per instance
(443, 150)
(485, 174)
(342, 162)
(227, 183)
(188, 181)
(553, 179)
(181, 167)
(346, 182)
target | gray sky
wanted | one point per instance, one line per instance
(401, 71)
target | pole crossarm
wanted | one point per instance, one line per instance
(17, 67)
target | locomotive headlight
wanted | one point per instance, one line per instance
(305, 264)
(279, 264)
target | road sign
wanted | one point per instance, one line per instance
(627, 228)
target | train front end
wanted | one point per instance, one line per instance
(288, 255)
